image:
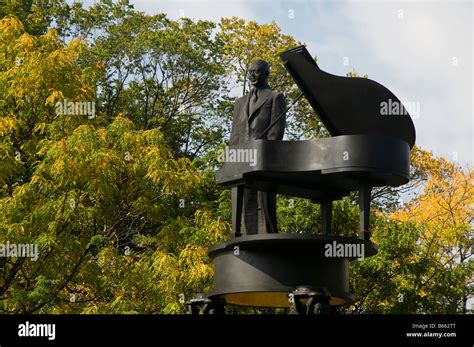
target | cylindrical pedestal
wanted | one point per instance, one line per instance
(262, 270)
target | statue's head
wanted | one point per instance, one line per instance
(258, 73)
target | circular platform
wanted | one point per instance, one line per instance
(262, 270)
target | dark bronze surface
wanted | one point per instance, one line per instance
(262, 270)
(347, 105)
(253, 114)
(367, 149)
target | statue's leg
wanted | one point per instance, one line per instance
(250, 211)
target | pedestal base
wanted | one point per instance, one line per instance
(262, 270)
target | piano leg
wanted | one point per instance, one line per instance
(237, 204)
(364, 211)
(326, 217)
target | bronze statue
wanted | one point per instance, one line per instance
(367, 149)
(253, 114)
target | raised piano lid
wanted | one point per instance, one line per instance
(347, 105)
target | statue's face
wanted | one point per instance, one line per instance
(258, 75)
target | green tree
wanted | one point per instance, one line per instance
(79, 188)
(36, 15)
(158, 72)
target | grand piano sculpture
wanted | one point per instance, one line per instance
(366, 150)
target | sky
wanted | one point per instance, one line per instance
(421, 50)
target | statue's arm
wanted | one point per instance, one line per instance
(278, 107)
(234, 135)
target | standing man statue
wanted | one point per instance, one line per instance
(253, 113)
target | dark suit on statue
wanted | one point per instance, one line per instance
(252, 115)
